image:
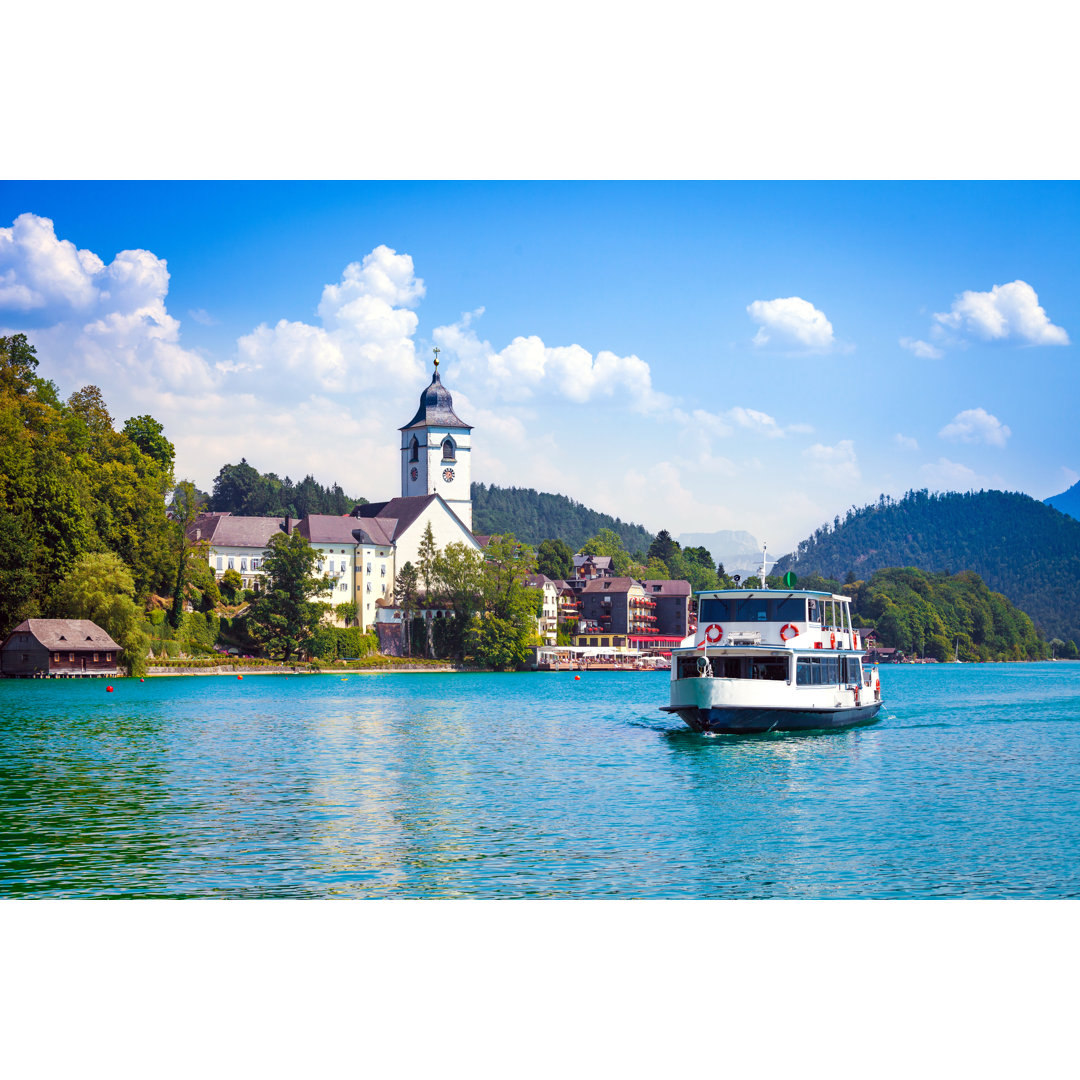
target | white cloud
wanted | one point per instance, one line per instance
(738, 418)
(98, 321)
(905, 442)
(834, 464)
(946, 475)
(527, 368)
(202, 316)
(922, 349)
(1069, 476)
(791, 323)
(976, 426)
(365, 342)
(1006, 312)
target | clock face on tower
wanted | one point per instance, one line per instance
(448, 475)
(413, 472)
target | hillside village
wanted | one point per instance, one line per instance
(361, 554)
(85, 534)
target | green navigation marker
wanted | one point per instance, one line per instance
(789, 580)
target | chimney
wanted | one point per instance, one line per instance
(288, 524)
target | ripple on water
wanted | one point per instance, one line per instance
(534, 785)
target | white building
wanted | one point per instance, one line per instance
(360, 555)
(236, 543)
(548, 622)
(436, 452)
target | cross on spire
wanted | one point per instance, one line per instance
(436, 352)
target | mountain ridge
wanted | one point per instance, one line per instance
(1021, 547)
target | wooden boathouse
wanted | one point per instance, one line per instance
(58, 649)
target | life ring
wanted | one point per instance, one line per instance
(784, 635)
(710, 637)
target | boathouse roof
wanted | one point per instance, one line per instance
(66, 635)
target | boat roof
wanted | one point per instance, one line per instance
(744, 594)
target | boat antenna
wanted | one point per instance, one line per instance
(764, 548)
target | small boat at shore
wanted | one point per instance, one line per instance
(773, 660)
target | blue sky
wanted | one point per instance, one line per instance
(693, 356)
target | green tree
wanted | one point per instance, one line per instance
(498, 643)
(426, 553)
(18, 580)
(657, 570)
(663, 547)
(149, 436)
(345, 612)
(100, 588)
(186, 501)
(555, 559)
(230, 585)
(458, 584)
(407, 597)
(506, 564)
(284, 618)
(607, 542)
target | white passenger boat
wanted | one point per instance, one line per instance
(773, 660)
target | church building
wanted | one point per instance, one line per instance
(361, 554)
(436, 451)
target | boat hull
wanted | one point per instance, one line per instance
(735, 720)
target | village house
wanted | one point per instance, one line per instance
(58, 648)
(619, 612)
(548, 621)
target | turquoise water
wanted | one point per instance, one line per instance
(533, 785)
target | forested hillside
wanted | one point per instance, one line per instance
(242, 489)
(533, 516)
(1021, 547)
(72, 485)
(939, 615)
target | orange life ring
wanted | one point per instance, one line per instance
(709, 633)
(784, 635)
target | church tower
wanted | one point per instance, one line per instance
(436, 451)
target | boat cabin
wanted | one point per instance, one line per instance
(799, 619)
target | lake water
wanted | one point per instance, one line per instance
(533, 785)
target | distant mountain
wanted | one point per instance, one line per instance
(1022, 548)
(1068, 502)
(739, 551)
(533, 516)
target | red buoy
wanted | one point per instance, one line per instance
(577, 678)
(239, 676)
(109, 689)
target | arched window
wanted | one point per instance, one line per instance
(414, 449)
(448, 449)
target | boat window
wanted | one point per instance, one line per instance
(752, 609)
(816, 611)
(715, 610)
(853, 669)
(817, 671)
(791, 610)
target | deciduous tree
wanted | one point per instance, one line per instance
(287, 613)
(100, 588)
